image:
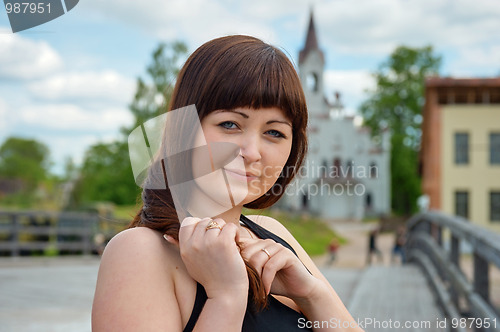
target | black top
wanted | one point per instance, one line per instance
(276, 317)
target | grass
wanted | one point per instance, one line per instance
(125, 212)
(312, 233)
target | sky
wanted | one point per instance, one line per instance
(68, 82)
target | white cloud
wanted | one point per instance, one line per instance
(72, 117)
(378, 26)
(351, 84)
(87, 86)
(3, 115)
(345, 28)
(24, 59)
(196, 21)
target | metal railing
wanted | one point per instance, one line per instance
(465, 303)
(30, 231)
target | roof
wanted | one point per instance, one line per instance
(439, 82)
(311, 41)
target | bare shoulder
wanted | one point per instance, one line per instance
(135, 286)
(273, 226)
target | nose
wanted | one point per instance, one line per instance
(250, 148)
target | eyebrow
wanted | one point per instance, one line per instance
(246, 117)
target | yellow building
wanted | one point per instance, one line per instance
(460, 155)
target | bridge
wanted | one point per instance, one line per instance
(429, 293)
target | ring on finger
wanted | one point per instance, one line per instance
(213, 224)
(266, 252)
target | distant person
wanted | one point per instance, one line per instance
(399, 242)
(423, 202)
(372, 247)
(333, 247)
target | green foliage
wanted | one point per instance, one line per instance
(24, 159)
(151, 99)
(313, 234)
(106, 173)
(397, 104)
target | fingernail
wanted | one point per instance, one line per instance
(168, 237)
(189, 221)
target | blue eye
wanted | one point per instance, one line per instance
(276, 133)
(228, 125)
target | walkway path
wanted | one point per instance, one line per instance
(47, 295)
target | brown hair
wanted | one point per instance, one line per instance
(227, 73)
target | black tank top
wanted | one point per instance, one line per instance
(276, 317)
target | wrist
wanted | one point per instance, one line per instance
(230, 300)
(318, 291)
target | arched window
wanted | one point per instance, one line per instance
(373, 170)
(368, 200)
(324, 168)
(349, 168)
(336, 167)
(312, 82)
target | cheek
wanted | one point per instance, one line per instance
(277, 159)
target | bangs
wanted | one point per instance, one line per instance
(257, 79)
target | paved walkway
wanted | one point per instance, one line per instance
(55, 294)
(47, 294)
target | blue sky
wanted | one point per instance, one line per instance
(68, 82)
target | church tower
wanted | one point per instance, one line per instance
(311, 66)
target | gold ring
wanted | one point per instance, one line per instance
(213, 224)
(267, 252)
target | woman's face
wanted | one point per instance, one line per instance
(264, 138)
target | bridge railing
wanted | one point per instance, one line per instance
(466, 304)
(30, 231)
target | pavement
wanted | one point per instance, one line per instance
(39, 294)
(47, 294)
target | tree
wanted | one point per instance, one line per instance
(24, 159)
(397, 103)
(106, 173)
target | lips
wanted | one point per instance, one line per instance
(241, 173)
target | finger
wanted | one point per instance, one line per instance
(171, 240)
(187, 227)
(199, 231)
(257, 257)
(253, 247)
(277, 262)
(213, 233)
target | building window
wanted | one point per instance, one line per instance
(461, 148)
(462, 204)
(495, 206)
(312, 82)
(368, 201)
(349, 168)
(324, 169)
(373, 170)
(495, 148)
(336, 167)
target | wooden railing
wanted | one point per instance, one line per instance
(29, 231)
(463, 302)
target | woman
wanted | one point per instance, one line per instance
(223, 272)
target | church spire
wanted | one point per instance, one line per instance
(311, 40)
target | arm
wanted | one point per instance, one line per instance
(322, 303)
(136, 291)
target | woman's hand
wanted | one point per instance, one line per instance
(212, 257)
(281, 271)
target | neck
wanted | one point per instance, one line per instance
(202, 206)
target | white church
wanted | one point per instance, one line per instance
(346, 174)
